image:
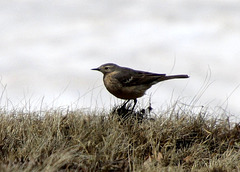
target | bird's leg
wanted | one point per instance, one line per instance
(124, 104)
(135, 102)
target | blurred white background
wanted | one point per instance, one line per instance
(47, 49)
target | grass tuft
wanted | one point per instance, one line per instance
(173, 140)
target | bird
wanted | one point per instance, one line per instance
(129, 84)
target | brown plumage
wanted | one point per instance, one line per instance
(127, 83)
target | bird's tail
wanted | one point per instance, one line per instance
(162, 77)
(167, 77)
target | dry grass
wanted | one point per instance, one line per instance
(77, 141)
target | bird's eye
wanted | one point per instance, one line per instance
(106, 68)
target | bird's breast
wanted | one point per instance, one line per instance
(124, 92)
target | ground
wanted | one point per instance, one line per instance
(64, 140)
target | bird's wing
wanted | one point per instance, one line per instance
(129, 77)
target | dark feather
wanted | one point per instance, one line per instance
(129, 77)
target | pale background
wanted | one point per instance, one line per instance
(47, 49)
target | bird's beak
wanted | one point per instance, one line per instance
(96, 69)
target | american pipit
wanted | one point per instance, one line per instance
(126, 83)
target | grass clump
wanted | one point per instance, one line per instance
(79, 141)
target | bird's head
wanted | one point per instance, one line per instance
(107, 68)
